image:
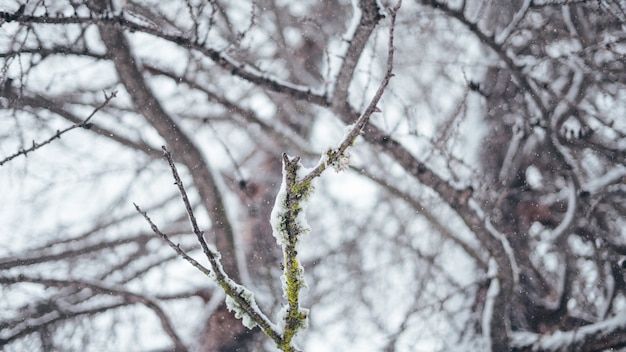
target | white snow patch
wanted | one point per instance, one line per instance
(492, 293)
(612, 176)
(534, 178)
(236, 308)
(241, 313)
(278, 211)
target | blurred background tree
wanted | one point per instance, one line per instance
(484, 207)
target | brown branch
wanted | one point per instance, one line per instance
(370, 16)
(40, 102)
(228, 63)
(98, 288)
(237, 293)
(180, 142)
(84, 124)
(333, 156)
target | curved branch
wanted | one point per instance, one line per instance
(180, 143)
(44, 103)
(115, 23)
(82, 124)
(128, 296)
(568, 220)
(600, 336)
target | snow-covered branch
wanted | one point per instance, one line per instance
(288, 217)
(594, 337)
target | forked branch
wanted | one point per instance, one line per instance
(288, 225)
(242, 299)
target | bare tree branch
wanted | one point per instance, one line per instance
(243, 298)
(126, 295)
(84, 124)
(177, 139)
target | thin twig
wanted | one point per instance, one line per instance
(230, 287)
(59, 133)
(290, 228)
(211, 255)
(174, 246)
(245, 71)
(332, 156)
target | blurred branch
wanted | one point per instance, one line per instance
(128, 296)
(276, 130)
(601, 336)
(53, 50)
(462, 202)
(147, 104)
(415, 203)
(369, 14)
(84, 124)
(568, 220)
(44, 103)
(40, 256)
(245, 71)
(32, 327)
(506, 32)
(497, 48)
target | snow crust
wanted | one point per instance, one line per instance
(279, 210)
